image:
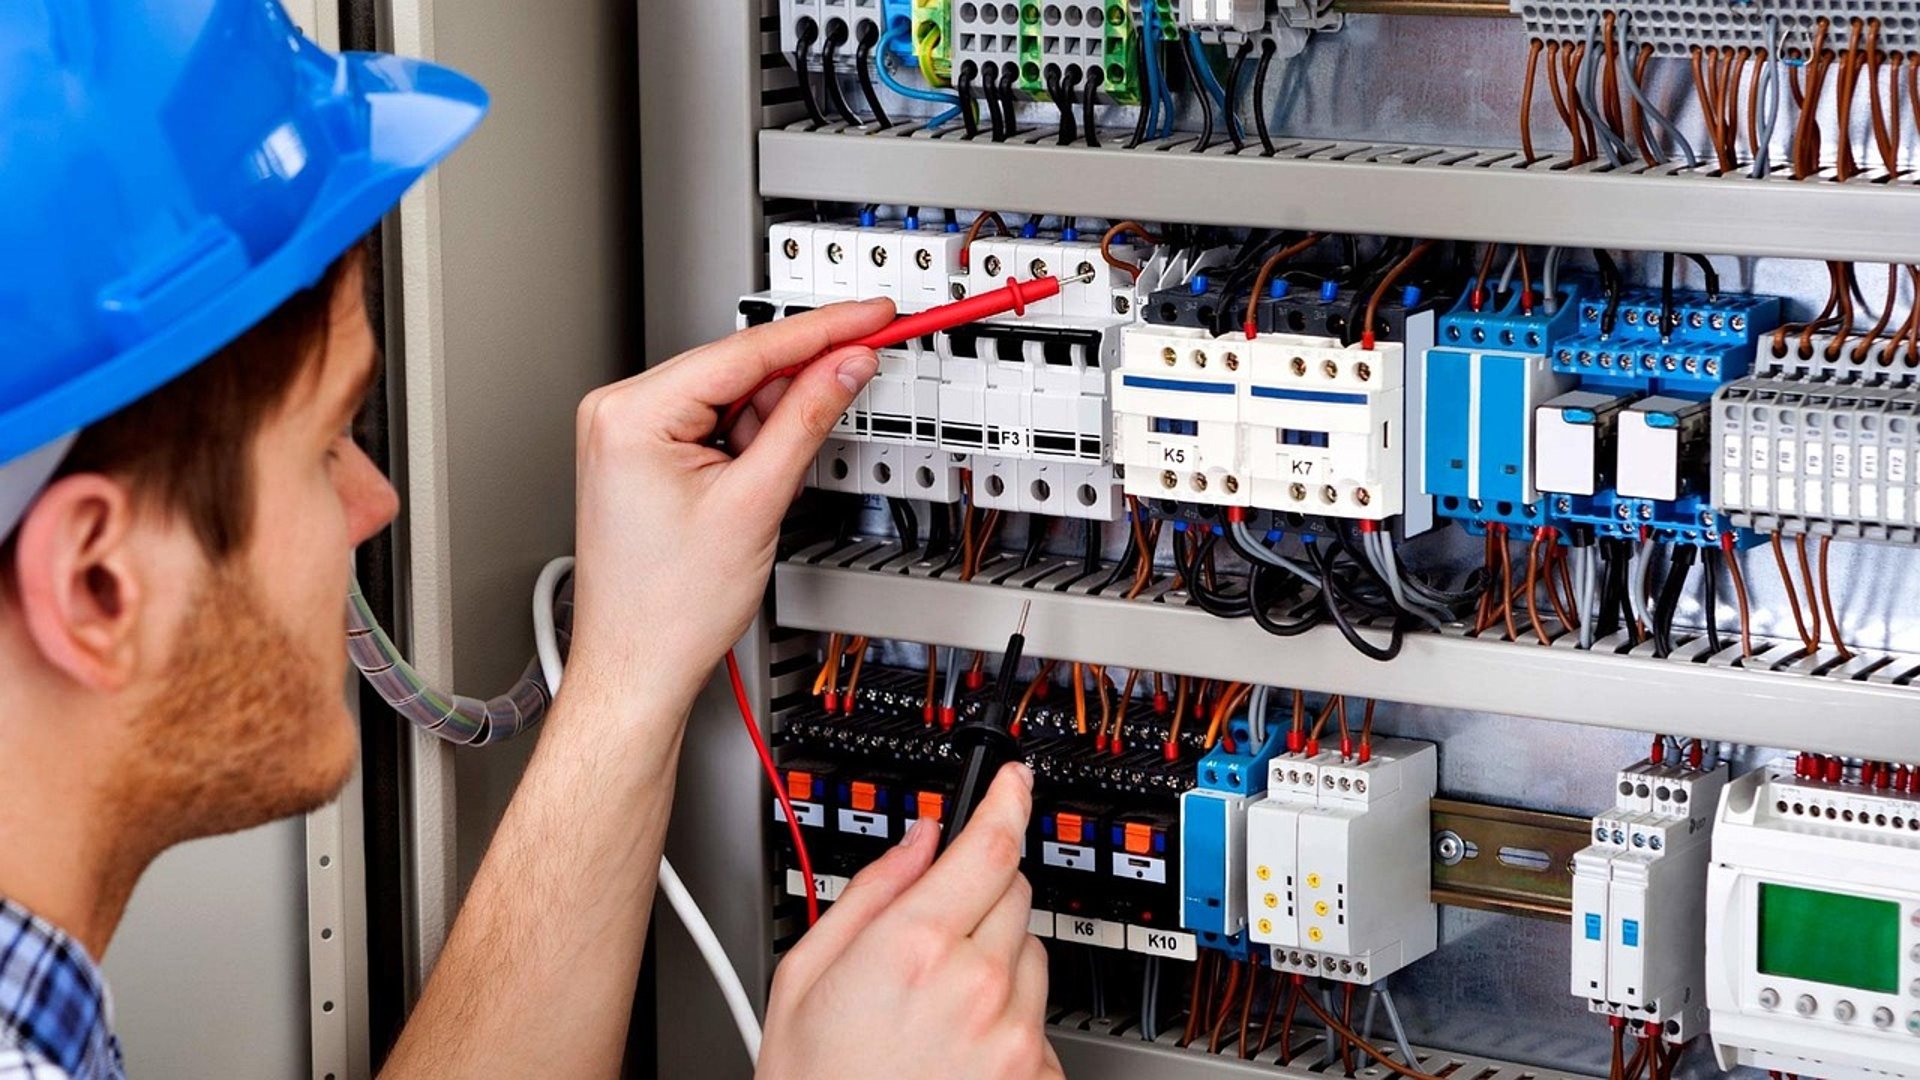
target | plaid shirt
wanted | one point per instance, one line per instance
(54, 1012)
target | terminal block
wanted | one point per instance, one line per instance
(1677, 29)
(1824, 446)
(1637, 922)
(1030, 39)
(1213, 827)
(1813, 920)
(1712, 341)
(1339, 871)
(1487, 375)
(852, 18)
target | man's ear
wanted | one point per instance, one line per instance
(80, 588)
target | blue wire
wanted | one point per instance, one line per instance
(1149, 35)
(1169, 107)
(905, 91)
(1207, 76)
(944, 118)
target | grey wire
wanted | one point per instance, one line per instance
(1618, 153)
(1266, 555)
(1433, 614)
(1399, 1032)
(1506, 276)
(1590, 593)
(1366, 1021)
(1333, 1051)
(953, 676)
(1550, 281)
(1257, 715)
(1652, 111)
(1770, 110)
(1147, 1029)
(1641, 571)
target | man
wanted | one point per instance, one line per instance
(186, 345)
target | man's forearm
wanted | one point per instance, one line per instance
(538, 974)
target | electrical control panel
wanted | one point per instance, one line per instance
(1813, 921)
(1338, 867)
(1638, 927)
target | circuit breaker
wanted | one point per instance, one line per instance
(1338, 864)
(1638, 927)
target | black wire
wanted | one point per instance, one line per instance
(1330, 599)
(1304, 615)
(863, 63)
(1008, 107)
(1710, 598)
(1226, 606)
(1036, 542)
(1206, 102)
(1126, 563)
(1678, 567)
(907, 522)
(939, 533)
(1234, 71)
(969, 109)
(1063, 87)
(836, 35)
(809, 33)
(1610, 278)
(1666, 296)
(1612, 588)
(1707, 271)
(1090, 554)
(989, 77)
(1090, 122)
(1268, 50)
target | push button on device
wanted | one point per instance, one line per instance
(1769, 998)
(1806, 1005)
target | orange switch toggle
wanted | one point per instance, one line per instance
(800, 785)
(1139, 838)
(863, 796)
(1070, 828)
(930, 803)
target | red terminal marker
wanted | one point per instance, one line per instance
(1014, 298)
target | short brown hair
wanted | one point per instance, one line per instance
(185, 448)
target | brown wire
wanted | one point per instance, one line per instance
(1533, 594)
(1731, 91)
(1740, 601)
(1559, 97)
(1526, 100)
(1346, 1017)
(1226, 1008)
(1506, 585)
(1845, 167)
(933, 679)
(1273, 1009)
(1844, 325)
(1826, 601)
(1039, 679)
(1703, 89)
(973, 231)
(1639, 114)
(1335, 1026)
(1806, 134)
(1861, 350)
(1573, 59)
(1610, 78)
(1129, 228)
(1883, 136)
(858, 650)
(1273, 263)
(1753, 102)
(1193, 1005)
(830, 668)
(1557, 576)
(1793, 597)
(1386, 283)
(1366, 724)
(1246, 1011)
(1813, 600)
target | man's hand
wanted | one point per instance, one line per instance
(676, 538)
(922, 969)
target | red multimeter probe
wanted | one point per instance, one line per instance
(1015, 298)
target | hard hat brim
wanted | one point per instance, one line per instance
(406, 116)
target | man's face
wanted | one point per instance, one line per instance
(250, 722)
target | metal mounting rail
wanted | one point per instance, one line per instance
(1867, 706)
(1428, 191)
(1112, 1047)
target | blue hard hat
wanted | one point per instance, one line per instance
(170, 172)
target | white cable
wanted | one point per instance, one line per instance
(1638, 570)
(552, 667)
(546, 639)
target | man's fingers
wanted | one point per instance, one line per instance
(980, 863)
(719, 374)
(871, 892)
(791, 436)
(1003, 933)
(1029, 999)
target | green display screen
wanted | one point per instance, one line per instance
(1830, 938)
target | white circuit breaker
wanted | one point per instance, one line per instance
(1338, 867)
(1637, 924)
(1813, 923)
(1020, 403)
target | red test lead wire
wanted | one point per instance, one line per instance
(1014, 298)
(779, 790)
